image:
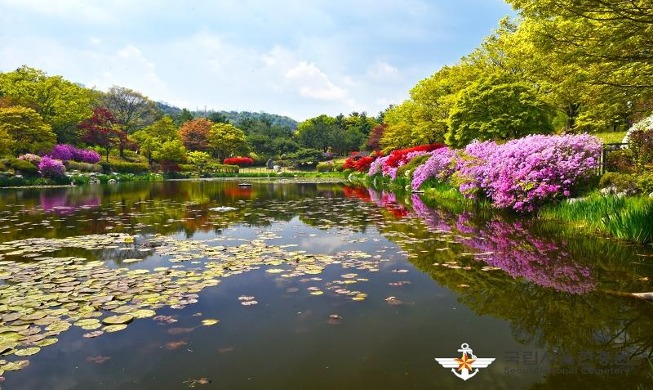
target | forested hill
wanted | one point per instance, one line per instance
(234, 117)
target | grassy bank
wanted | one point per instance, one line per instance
(627, 218)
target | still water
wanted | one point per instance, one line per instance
(212, 285)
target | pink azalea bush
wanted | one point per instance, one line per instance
(520, 174)
(525, 172)
(441, 165)
(32, 158)
(51, 168)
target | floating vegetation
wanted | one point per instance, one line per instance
(45, 296)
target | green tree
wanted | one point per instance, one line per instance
(400, 125)
(172, 151)
(199, 159)
(183, 117)
(496, 108)
(615, 35)
(316, 133)
(225, 140)
(60, 103)
(26, 131)
(132, 110)
(153, 138)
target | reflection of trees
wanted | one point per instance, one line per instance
(563, 302)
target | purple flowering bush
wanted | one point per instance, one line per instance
(441, 165)
(525, 172)
(87, 156)
(66, 152)
(520, 174)
(51, 168)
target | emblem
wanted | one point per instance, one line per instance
(466, 366)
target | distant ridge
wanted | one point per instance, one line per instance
(234, 117)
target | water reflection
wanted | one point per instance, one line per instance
(552, 309)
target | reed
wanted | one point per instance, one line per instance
(627, 218)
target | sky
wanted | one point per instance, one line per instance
(299, 58)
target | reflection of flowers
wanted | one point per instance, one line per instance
(511, 247)
(60, 203)
(357, 192)
(387, 200)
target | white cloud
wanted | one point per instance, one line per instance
(382, 70)
(313, 83)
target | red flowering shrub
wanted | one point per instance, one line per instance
(240, 161)
(360, 163)
(400, 156)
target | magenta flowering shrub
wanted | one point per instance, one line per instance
(66, 152)
(471, 168)
(62, 152)
(441, 165)
(87, 156)
(32, 158)
(525, 172)
(51, 168)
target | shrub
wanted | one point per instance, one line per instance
(523, 173)
(325, 166)
(124, 167)
(222, 168)
(87, 156)
(33, 158)
(51, 168)
(622, 160)
(641, 144)
(240, 161)
(187, 168)
(23, 167)
(82, 166)
(66, 152)
(440, 165)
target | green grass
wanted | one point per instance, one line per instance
(611, 137)
(627, 218)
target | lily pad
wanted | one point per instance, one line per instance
(118, 320)
(27, 351)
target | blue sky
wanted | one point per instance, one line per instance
(299, 58)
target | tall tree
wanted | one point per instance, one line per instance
(132, 110)
(317, 133)
(154, 138)
(102, 130)
(227, 140)
(497, 108)
(195, 134)
(26, 131)
(60, 103)
(611, 38)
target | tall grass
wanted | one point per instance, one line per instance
(628, 218)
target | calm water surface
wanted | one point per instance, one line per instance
(315, 286)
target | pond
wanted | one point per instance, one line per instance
(215, 285)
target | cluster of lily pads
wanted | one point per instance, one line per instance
(43, 295)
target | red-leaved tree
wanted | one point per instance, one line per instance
(100, 130)
(195, 133)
